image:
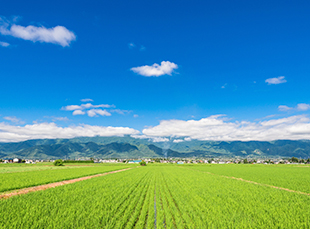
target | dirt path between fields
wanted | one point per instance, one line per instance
(266, 185)
(53, 185)
(261, 184)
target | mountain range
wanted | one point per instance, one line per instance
(128, 147)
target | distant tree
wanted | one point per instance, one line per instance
(302, 161)
(294, 159)
(308, 160)
(58, 162)
(142, 163)
(245, 161)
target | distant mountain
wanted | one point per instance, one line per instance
(128, 147)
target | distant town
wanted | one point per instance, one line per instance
(292, 160)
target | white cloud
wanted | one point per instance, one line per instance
(165, 68)
(78, 112)
(95, 112)
(303, 107)
(284, 108)
(85, 106)
(14, 119)
(142, 48)
(87, 100)
(57, 35)
(9, 133)
(135, 116)
(299, 107)
(150, 138)
(178, 140)
(218, 128)
(277, 80)
(4, 44)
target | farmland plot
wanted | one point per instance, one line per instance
(16, 180)
(158, 197)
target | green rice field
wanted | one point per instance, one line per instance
(162, 196)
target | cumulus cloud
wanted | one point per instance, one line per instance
(277, 80)
(10, 133)
(303, 107)
(14, 119)
(78, 112)
(96, 112)
(218, 128)
(4, 44)
(86, 100)
(165, 68)
(57, 35)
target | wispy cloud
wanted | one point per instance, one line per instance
(277, 80)
(299, 107)
(219, 128)
(131, 45)
(142, 48)
(85, 106)
(60, 119)
(14, 119)
(11, 133)
(57, 35)
(65, 119)
(165, 68)
(119, 111)
(284, 108)
(4, 44)
(86, 100)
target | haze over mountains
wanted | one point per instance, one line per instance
(129, 147)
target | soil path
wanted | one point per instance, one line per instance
(53, 185)
(256, 183)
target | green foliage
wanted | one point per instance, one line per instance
(294, 159)
(142, 163)
(58, 162)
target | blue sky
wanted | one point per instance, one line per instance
(165, 68)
